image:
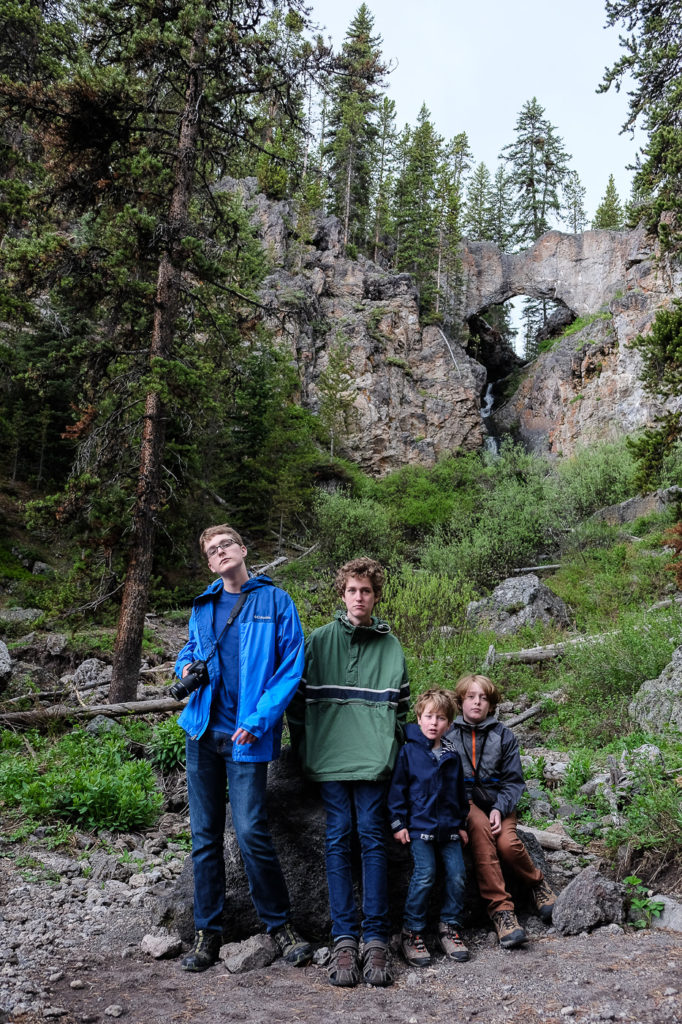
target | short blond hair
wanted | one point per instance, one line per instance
(213, 531)
(442, 701)
(487, 685)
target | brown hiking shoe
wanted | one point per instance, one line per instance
(544, 900)
(509, 931)
(414, 949)
(204, 952)
(375, 969)
(451, 942)
(293, 947)
(343, 969)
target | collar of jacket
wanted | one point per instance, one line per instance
(377, 625)
(413, 734)
(253, 583)
(487, 723)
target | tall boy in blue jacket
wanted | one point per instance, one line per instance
(234, 726)
(428, 808)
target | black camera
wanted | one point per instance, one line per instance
(196, 676)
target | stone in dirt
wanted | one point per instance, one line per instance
(588, 901)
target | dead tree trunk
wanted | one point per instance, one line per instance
(128, 648)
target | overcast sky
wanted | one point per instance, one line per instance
(475, 64)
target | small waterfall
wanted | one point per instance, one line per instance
(491, 442)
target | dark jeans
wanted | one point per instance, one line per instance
(367, 800)
(209, 768)
(425, 854)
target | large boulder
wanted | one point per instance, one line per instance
(518, 601)
(297, 821)
(5, 665)
(657, 705)
(588, 901)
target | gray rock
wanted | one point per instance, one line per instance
(256, 951)
(100, 725)
(671, 915)
(92, 672)
(161, 946)
(518, 601)
(5, 663)
(657, 705)
(14, 615)
(42, 569)
(588, 901)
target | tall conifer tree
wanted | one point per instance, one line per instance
(352, 127)
(609, 213)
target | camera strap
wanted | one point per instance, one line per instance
(232, 616)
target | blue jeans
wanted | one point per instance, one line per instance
(209, 768)
(367, 799)
(424, 859)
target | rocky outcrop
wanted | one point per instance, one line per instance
(657, 705)
(588, 901)
(517, 602)
(587, 387)
(415, 391)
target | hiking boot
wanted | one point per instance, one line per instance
(375, 969)
(544, 900)
(451, 942)
(509, 931)
(343, 969)
(291, 945)
(204, 952)
(414, 949)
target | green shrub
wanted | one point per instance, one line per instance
(167, 746)
(86, 781)
(417, 603)
(348, 528)
(652, 816)
(595, 478)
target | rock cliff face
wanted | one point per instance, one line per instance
(416, 394)
(587, 388)
(415, 391)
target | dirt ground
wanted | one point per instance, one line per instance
(608, 975)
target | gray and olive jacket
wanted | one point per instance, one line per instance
(347, 717)
(500, 766)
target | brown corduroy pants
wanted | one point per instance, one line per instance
(489, 852)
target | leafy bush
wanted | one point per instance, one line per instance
(417, 603)
(91, 783)
(167, 746)
(348, 528)
(652, 817)
(595, 478)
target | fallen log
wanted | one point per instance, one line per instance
(530, 655)
(552, 840)
(43, 716)
(536, 568)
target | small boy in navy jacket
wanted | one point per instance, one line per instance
(428, 809)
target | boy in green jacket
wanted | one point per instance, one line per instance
(346, 721)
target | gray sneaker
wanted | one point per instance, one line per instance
(291, 945)
(375, 970)
(451, 942)
(414, 949)
(343, 969)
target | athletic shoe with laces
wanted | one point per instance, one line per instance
(291, 945)
(451, 942)
(544, 899)
(204, 952)
(375, 970)
(343, 969)
(414, 949)
(509, 931)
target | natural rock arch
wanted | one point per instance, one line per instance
(584, 272)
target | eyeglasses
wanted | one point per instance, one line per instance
(223, 546)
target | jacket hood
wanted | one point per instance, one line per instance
(480, 726)
(413, 734)
(253, 583)
(377, 625)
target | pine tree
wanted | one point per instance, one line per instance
(538, 168)
(352, 128)
(574, 203)
(477, 218)
(650, 67)
(501, 210)
(156, 270)
(609, 212)
(416, 212)
(383, 179)
(449, 198)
